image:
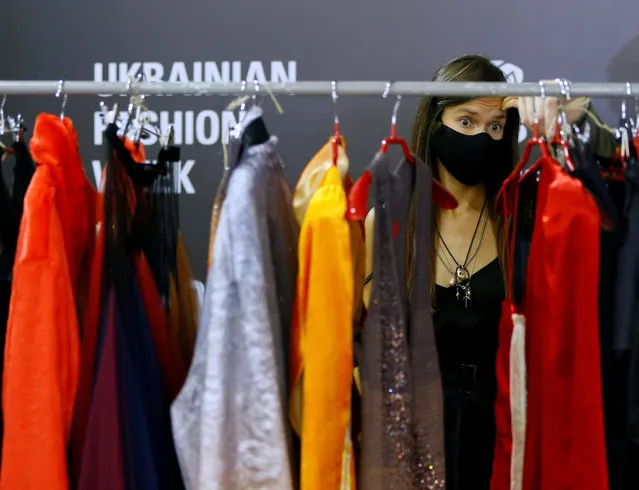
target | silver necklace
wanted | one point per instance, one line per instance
(461, 276)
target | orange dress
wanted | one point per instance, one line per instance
(42, 354)
(330, 280)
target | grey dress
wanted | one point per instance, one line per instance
(229, 421)
(402, 407)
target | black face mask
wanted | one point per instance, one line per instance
(472, 160)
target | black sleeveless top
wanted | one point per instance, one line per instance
(467, 348)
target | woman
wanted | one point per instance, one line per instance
(471, 145)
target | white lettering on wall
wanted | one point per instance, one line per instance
(181, 170)
(198, 71)
(205, 127)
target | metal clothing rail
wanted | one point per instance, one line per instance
(317, 88)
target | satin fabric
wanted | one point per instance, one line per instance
(322, 340)
(518, 400)
(42, 354)
(565, 446)
(505, 475)
(313, 175)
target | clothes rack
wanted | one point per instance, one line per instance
(318, 88)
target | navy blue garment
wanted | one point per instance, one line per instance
(137, 451)
(150, 458)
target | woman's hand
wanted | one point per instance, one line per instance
(547, 110)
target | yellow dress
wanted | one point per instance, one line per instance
(322, 333)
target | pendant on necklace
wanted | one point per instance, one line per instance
(467, 296)
(461, 274)
(460, 277)
(463, 294)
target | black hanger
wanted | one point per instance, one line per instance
(143, 174)
(254, 134)
(166, 156)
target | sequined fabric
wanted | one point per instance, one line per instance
(402, 416)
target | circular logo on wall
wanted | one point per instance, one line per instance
(513, 74)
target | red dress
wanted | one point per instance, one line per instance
(565, 447)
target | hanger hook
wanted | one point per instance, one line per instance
(396, 110)
(386, 90)
(567, 88)
(334, 97)
(60, 93)
(256, 89)
(542, 89)
(561, 113)
(242, 90)
(140, 78)
(542, 93)
(130, 92)
(2, 124)
(624, 108)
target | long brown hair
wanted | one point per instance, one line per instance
(469, 68)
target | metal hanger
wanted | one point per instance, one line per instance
(16, 127)
(534, 141)
(2, 119)
(563, 134)
(10, 125)
(256, 90)
(393, 139)
(335, 140)
(60, 93)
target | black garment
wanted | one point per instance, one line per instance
(11, 207)
(8, 240)
(527, 206)
(467, 341)
(626, 305)
(627, 325)
(587, 171)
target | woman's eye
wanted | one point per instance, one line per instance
(464, 122)
(496, 127)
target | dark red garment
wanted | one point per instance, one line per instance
(565, 445)
(102, 467)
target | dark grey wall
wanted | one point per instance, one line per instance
(328, 40)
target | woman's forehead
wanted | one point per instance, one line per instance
(483, 105)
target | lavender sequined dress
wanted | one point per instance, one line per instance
(402, 408)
